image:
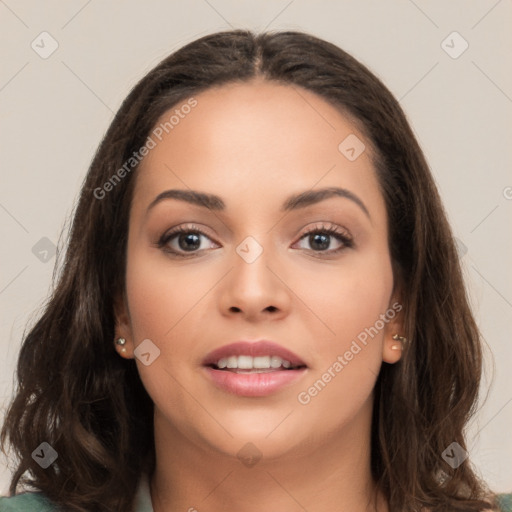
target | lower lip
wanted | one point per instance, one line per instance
(253, 384)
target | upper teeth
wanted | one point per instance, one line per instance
(248, 362)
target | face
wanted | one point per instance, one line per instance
(267, 259)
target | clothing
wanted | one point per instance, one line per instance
(36, 502)
(505, 502)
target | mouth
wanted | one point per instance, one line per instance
(258, 364)
(253, 369)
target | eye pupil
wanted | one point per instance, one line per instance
(324, 242)
(189, 236)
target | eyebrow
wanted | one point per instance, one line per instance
(294, 202)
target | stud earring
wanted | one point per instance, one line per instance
(398, 346)
(121, 342)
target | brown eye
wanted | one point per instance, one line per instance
(186, 240)
(320, 239)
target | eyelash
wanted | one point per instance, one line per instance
(335, 232)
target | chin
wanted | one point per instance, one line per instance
(273, 435)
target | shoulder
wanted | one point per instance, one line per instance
(26, 502)
(505, 502)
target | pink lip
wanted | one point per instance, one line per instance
(257, 384)
(253, 384)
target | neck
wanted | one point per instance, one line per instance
(330, 477)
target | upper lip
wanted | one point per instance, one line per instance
(253, 349)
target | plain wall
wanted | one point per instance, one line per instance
(55, 110)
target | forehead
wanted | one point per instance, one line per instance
(267, 138)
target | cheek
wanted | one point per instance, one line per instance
(159, 295)
(347, 360)
(349, 297)
(158, 301)
(145, 301)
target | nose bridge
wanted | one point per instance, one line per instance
(253, 285)
(252, 257)
(254, 227)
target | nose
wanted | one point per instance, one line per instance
(256, 290)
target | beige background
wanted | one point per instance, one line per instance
(55, 110)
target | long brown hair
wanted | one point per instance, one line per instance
(74, 391)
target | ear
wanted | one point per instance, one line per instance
(123, 327)
(392, 348)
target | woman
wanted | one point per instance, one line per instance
(258, 303)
